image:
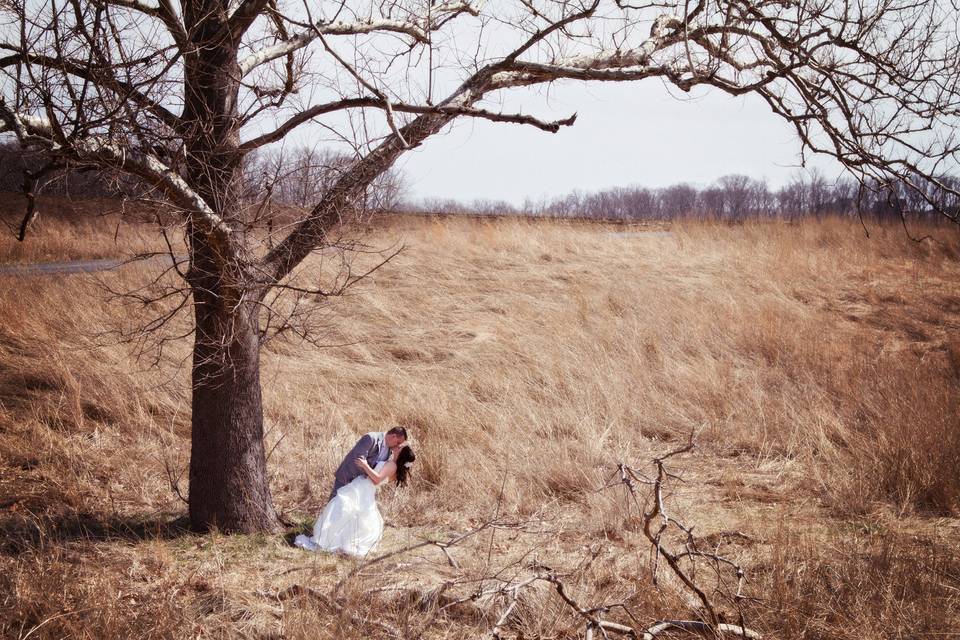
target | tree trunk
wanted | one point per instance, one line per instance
(229, 486)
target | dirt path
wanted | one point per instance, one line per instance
(77, 266)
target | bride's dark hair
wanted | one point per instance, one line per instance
(404, 458)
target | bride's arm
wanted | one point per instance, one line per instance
(389, 470)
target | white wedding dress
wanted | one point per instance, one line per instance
(350, 523)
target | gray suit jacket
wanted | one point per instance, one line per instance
(372, 447)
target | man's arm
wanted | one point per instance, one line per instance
(360, 450)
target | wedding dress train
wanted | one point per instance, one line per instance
(350, 523)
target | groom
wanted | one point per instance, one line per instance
(375, 447)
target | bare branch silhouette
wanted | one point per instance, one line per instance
(177, 96)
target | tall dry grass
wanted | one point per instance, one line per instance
(854, 584)
(67, 229)
(818, 367)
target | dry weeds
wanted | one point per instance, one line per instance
(67, 229)
(819, 367)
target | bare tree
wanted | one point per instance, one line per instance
(713, 201)
(300, 175)
(176, 93)
(738, 191)
(678, 200)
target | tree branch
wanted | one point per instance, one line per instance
(376, 103)
(417, 30)
(101, 76)
(39, 131)
(164, 12)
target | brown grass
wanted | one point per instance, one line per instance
(819, 368)
(65, 229)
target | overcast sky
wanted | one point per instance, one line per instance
(629, 133)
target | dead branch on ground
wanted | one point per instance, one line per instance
(498, 594)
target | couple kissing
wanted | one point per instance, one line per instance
(351, 522)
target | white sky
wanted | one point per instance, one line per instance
(626, 133)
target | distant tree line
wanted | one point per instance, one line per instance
(18, 165)
(732, 197)
(292, 177)
(296, 177)
(299, 176)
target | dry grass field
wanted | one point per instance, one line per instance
(819, 369)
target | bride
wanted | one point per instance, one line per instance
(351, 522)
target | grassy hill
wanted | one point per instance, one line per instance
(817, 367)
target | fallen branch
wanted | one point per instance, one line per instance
(443, 545)
(698, 626)
(631, 478)
(507, 584)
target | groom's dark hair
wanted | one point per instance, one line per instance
(399, 431)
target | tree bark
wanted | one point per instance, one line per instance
(229, 486)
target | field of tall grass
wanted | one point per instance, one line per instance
(818, 368)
